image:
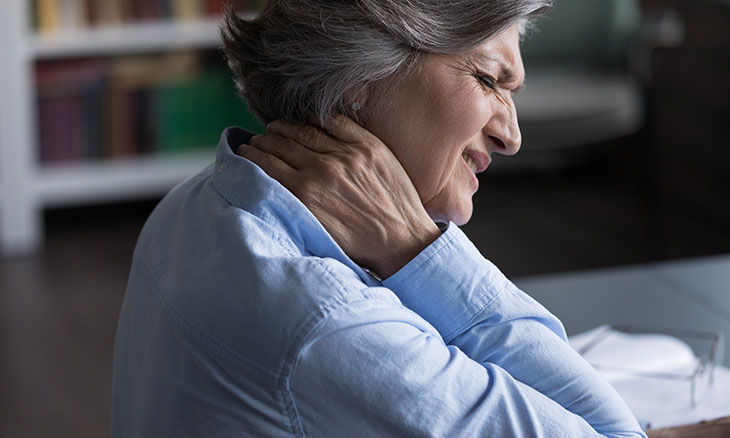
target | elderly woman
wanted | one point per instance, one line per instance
(314, 282)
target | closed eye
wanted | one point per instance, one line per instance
(486, 80)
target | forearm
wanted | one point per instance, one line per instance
(362, 195)
(388, 373)
(477, 309)
(534, 355)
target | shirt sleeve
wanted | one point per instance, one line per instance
(481, 313)
(375, 369)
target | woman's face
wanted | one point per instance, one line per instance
(447, 117)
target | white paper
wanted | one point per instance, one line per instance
(666, 403)
(660, 402)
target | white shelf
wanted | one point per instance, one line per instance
(117, 179)
(26, 187)
(132, 38)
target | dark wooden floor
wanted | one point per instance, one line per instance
(58, 316)
(58, 309)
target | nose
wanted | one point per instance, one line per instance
(503, 128)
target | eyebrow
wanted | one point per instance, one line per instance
(505, 72)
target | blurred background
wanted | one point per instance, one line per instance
(105, 104)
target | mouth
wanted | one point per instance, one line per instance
(477, 161)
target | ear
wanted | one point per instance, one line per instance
(356, 103)
(357, 95)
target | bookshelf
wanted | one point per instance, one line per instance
(27, 183)
(131, 38)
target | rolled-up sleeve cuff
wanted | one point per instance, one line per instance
(449, 283)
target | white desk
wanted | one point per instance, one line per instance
(687, 294)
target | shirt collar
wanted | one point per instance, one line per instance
(244, 185)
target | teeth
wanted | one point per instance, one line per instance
(472, 165)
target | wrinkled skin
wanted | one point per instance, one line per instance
(379, 188)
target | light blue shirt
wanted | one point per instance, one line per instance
(243, 318)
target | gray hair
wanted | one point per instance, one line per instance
(309, 58)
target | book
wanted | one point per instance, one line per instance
(146, 10)
(94, 118)
(134, 105)
(215, 7)
(73, 14)
(66, 90)
(106, 12)
(68, 15)
(48, 15)
(186, 10)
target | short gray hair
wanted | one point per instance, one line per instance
(308, 58)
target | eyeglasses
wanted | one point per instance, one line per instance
(628, 354)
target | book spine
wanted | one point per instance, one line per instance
(165, 9)
(45, 134)
(107, 12)
(48, 15)
(145, 10)
(93, 118)
(144, 137)
(214, 7)
(76, 128)
(94, 109)
(186, 10)
(119, 131)
(72, 14)
(91, 13)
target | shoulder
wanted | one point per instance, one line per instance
(240, 279)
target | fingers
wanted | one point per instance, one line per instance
(274, 166)
(309, 136)
(327, 138)
(347, 130)
(286, 149)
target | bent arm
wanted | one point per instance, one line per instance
(475, 308)
(373, 369)
(364, 198)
